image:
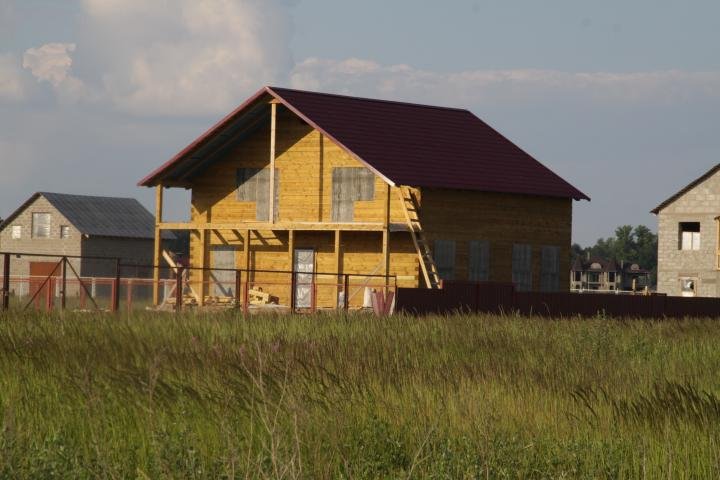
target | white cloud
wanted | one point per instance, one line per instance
(478, 87)
(11, 82)
(186, 57)
(49, 62)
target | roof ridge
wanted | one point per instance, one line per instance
(369, 99)
(85, 196)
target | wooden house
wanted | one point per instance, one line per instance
(318, 183)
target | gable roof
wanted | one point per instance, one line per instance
(98, 216)
(404, 143)
(687, 188)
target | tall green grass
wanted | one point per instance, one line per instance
(464, 396)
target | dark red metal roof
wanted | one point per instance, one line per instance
(410, 144)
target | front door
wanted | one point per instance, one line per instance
(303, 266)
(223, 281)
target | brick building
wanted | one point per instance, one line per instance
(688, 250)
(78, 225)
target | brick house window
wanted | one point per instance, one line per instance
(41, 225)
(689, 236)
(16, 232)
(64, 231)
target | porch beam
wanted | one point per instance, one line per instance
(386, 237)
(157, 248)
(273, 121)
(327, 226)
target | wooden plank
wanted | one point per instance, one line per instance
(310, 226)
(386, 238)
(157, 248)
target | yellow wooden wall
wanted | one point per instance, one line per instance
(501, 219)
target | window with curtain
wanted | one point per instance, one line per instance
(444, 257)
(479, 261)
(550, 269)
(522, 267)
(41, 225)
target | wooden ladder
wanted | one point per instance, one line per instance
(427, 264)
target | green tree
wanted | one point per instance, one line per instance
(634, 245)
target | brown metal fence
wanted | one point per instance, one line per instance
(47, 282)
(490, 297)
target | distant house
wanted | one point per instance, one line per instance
(78, 225)
(607, 275)
(314, 182)
(688, 249)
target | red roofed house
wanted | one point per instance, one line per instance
(367, 186)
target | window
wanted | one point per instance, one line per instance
(16, 232)
(689, 236)
(578, 276)
(350, 184)
(253, 185)
(687, 287)
(41, 225)
(611, 277)
(479, 261)
(64, 231)
(444, 256)
(522, 267)
(550, 269)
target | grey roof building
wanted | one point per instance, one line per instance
(78, 225)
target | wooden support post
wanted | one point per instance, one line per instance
(386, 239)
(63, 283)
(291, 259)
(346, 295)
(273, 121)
(157, 250)
(6, 282)
(203, 234)
(338, 268)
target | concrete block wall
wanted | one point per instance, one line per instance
(700, 204)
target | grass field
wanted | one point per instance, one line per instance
(159, 396)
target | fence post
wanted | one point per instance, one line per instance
(49, 292)
(246, 295)
(179, 289)
(313, 295)
(63, 283)
(346, 289)
(128, 293)
(115, 300)
(238, 287)
(6, 282)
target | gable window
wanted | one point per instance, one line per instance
(253, 185)
(64, 231)
(444, 256)
(550, 269)
(689, 236)
(479, 261)
(350, 184)
(16, 232)
(41, 225)
(522, 266)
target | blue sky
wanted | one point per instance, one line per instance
(620, 98)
